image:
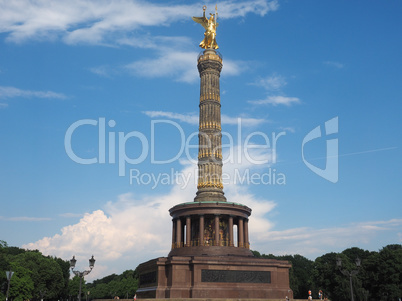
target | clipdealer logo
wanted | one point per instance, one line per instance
(109, 141)
(330, 172)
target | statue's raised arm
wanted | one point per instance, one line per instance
(210, 26)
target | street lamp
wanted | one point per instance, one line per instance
(9, 274)
(42, 294)
(347, 273)
(73, 261)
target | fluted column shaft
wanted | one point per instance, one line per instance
(246, 242)
(173, 233)
(201, 230)
(210, 136)
(188, 231)
(216, 224)
(178, 233)
(240, 233)
(231, 244)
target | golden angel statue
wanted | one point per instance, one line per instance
(210, 26)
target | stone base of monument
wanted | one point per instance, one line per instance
(206, 276)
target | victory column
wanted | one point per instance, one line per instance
(210, 253)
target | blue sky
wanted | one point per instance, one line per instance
(100, 81)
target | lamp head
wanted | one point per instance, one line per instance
(358, 262)
(92, 262)
(338, 262)
(9, 274)
(73, 262)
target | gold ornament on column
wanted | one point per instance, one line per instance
(210, 25)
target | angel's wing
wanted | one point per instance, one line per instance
(201, 20)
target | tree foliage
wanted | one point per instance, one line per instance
(74, 287)
(383, 277)
(35, 275)
(378, 278)
(21, 284)
(122, 286)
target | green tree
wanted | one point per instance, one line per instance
(300, 275)
(6, 256)
(383, 280)
(99, 291)
(74, 287)
(328, 279)
(65, 269)
(378, 277)
(115, 285)
(45, 273)
(21, 284)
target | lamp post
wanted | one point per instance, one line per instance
(9, 274)
(350, 274)
(81, 274)
(365, 293)
(42, 294)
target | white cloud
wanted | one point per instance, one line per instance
(312, 242)
(3, 105)
(230, 9)
(118, 23)
(334, 64)
(177, 65)
(96, 21)
(101, 71)
(276, 100)
(160, 43)
(10, 92)
(271, 83)
(288, 129)
(189, 118)
(131, 230)
(193, 118)
(245, 121)
(233, 67)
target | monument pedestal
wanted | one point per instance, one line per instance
(214, 277)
